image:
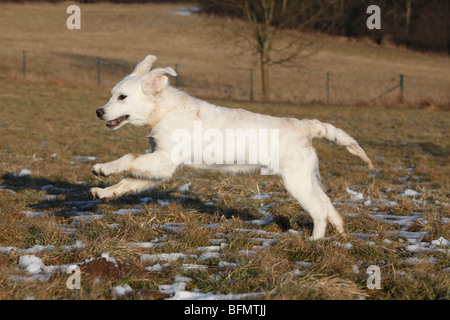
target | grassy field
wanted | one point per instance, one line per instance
(211, 60)
(52, 131)
(204, 239)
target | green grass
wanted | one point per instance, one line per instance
(44, 127)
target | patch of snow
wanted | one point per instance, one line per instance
(146, 199)
(51, 188)
(431, 260)
(120, 291)
(182, 279)
(346, 246)
(184, 187)
(36, 214)
(355, 196)
(172, 227)
(409, 193)
(265, 213)
(163, 203)
(364, 236)
(37, 248)
(123, 212)
(418, 236)
(218, 241)
(261, 196)
(260, 222)
(248, 253)
(258, 231)
(441, 242)
(157, 267)
(193, 266)
(7, 249)
(297, 272)
(446, 270)
(209, 248)
(403, 221)
(169, 257)
(172, 288)
(78, 245)
(87, 216)
(7, 190)
(225, 264)
(31, 264)
(209, 255)
(147, 245)
(295, 232)
(85, 158)
(49, 197)
(186, 11)
(186, 295)
(304, 264)
(24, 172)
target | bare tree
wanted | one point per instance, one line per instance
(265, 19)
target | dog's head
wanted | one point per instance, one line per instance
(133, 99)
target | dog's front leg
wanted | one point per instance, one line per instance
(127, 185)
(146, 170)
(117, 166)
(157, 165)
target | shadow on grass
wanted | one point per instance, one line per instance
(64, 198)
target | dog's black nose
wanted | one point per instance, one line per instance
(99, 112)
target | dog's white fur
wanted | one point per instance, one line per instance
(151, 102)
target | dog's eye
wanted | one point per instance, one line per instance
(122, 97)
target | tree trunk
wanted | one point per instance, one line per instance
(408, 16)
(265, 77)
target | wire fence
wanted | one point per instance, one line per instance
(292, 86)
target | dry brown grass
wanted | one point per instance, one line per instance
(49, 120)
(48, 126)
(211, 61)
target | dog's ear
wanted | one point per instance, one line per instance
(156, 80)
(144, 66)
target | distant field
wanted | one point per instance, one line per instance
(210, 61)
(205, 240)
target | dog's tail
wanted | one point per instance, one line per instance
(325, 130)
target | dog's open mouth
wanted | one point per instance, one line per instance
(114, 123)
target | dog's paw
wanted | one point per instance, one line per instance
(100, 170)
(98, 193)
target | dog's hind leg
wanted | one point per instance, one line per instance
(299, 180)
(127, 185)
(332, 215)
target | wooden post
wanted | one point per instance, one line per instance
(401, 85)
(98, 71)
(177, 82)
(328, 87)
(251, 84)
(24, 64)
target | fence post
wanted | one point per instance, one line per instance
(251, 84)
(328, 87)
(98, 71)
(401, 85)
(24, 64)
(177, 83)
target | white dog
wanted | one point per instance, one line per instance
(145, 98)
